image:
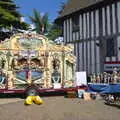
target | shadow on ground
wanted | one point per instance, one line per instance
(52, 94)
(117, 105)
(22, 96)
(2, 95)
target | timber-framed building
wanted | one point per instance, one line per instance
(93, 26)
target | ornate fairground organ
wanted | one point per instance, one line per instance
(31, 59)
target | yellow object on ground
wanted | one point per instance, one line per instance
(37, 100)
(29, 100)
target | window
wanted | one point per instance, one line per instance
(75, 23)
(111, 49)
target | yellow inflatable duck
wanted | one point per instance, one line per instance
(36, 99)
(29, 100)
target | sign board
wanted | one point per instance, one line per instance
(56, 85)
(109, 66)
(30, 53)
(81, 78)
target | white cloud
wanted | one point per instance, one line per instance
(32, 26)
(22, 19)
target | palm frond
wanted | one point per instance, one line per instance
(45, 21)
(40, 21)
(33, 20)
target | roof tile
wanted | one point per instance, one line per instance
(75, 5)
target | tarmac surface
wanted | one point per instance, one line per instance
(57, 108)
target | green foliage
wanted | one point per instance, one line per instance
(41, 22)
(54, 32)
(9, 16)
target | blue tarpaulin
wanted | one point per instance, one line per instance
(96, 87)
(104, 88)
(112, 88)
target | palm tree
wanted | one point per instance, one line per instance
(40, 22)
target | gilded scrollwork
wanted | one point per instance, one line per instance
(31, 56)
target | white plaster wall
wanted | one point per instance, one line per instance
(88, 51)
(68, 34)
(92, 25)
(84, 55)
(80, 57)
(97, 58)
(88, 25)
(92, 56)
(108, 20)
(103, 20)
(80, 22)
(113, 18)
(70, 30)
(97, 23)
(118, 15)
(64, 31)
(84, 25)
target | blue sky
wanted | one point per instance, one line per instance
(49, 6)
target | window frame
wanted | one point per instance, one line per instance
(111, 47)
(75, 23)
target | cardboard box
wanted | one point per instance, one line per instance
(71, 94)
(87, 96)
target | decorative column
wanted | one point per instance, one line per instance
(63, 67)
(46, 70)
(8, 55)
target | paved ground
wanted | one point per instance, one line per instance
(8, 101)
(58, 108)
